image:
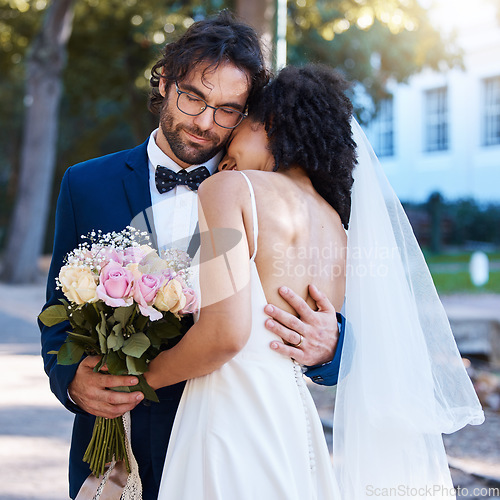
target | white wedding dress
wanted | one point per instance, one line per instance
(249, 430)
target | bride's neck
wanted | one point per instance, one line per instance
(297, 174)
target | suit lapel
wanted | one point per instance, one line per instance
(137, 192)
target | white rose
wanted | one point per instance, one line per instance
(78, 284)
(170, 297)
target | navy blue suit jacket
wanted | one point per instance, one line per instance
(107, 193)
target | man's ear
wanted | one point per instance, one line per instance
(162, 84)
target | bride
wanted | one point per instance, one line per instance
(246, 426)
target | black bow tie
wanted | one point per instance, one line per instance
(167, 179)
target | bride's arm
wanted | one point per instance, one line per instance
(225, 316)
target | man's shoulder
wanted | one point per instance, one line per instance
(113, 163)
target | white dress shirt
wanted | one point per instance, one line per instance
(175, 213)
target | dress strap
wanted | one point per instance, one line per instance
(254, 215)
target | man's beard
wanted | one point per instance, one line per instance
(191, 154)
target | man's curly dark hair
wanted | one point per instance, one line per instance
(307, 117)
(214, 40)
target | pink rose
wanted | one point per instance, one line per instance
(167, 274)
(134, 255)
(191, 302)
(115, 285)
(107, 254)
(145, 289)
(180, 276)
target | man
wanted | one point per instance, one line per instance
(199, 90)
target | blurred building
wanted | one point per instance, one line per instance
(441, 131)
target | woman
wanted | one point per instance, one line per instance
(246, 427)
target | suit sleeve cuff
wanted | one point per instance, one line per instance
(328, 373)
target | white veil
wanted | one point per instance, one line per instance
(402, 381)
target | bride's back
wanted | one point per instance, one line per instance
(301, 240)
(296, 147)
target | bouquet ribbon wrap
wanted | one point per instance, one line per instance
(116, 483)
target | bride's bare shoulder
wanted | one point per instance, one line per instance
(222, 187)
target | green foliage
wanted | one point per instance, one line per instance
(461, 222)
(70, 353)
(114, 44)
(370, 41)
(473, 221)
(53, 315)
(136, 345)
(19, 22)
(125, 339)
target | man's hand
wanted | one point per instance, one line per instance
(311, 338)
(89, 390)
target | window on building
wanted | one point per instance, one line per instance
(436, 112)
(383, 129)
(491, 111)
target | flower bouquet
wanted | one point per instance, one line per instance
(124, 303)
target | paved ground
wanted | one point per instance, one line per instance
(35, 429)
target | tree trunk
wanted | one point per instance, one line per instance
(260, 15)
(44, 67)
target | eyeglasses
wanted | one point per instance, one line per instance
(193, 105)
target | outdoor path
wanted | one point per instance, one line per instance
(35, 429)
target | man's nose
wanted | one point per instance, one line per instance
(205, 120)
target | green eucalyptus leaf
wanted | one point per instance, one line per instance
(70, 353)
(156, 340)
(136, 366)
(165, 329)
(100, 364)
(147, 390)
(83, 339)
(116, 365)
(140, 322)
(136, 345)
(90, 314)
(103, 333)
(53, 315)
(123, 388)
(77, 317)
(65, 303)
(142, 386)
(112, 342)
(115, 339)
(123, 314)
(120, 340)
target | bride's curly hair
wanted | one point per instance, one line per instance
(307, 117)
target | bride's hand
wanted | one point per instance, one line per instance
(311, 338)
